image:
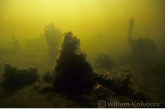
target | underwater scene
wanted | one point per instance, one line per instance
(82, 53)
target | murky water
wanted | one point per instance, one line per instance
(115, 35)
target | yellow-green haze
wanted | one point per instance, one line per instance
(101, 25)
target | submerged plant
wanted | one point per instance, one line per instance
(72, 72)
(142, 48)
(15, 78)
(53, 36)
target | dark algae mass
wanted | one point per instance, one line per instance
(72, 72)
(82, 54)
(142, 48)
(18, 77)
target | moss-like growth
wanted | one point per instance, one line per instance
(73, 73)
(142, 48)
(118, 84)
(15, 78)
(43, 87)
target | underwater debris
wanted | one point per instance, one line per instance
(121, 81)
(142, 48)
(73, 73)
(15, 78)
(104, 61)
(53, 36)
(118, 84)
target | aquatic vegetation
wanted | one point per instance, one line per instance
(53, 36)
(110, 60)
(118, 84)
(43, 87)
(72, 73)
(15, 78)
(45, 83)
(142, 48)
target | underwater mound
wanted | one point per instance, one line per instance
(15, 78)
(72, 73)
(143, 49)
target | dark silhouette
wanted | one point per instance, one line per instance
(53, 36)
(73, 73)
(15, 78)
(142, 48)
